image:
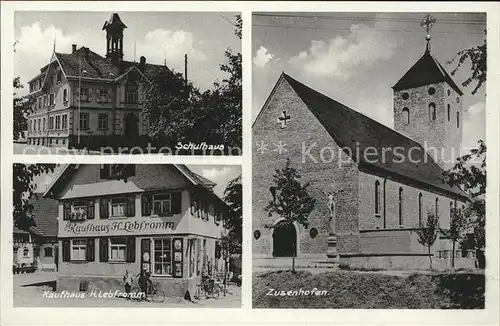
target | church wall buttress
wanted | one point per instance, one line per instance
(315, 155)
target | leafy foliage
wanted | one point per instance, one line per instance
(22, 108)
(457, 225)
(477, 57)
(428, 234)
(233, 196)
(24, 188)
(178, 112)
(291, 200)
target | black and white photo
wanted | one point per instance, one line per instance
(127, 82)
(132, 235)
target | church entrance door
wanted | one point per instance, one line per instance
(284, 240)
(131, 125)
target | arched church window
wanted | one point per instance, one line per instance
(405, 96)
(400, 206)
(449, 112)
(406, 116)
(458, 119)
(256, 234)
(449, 92)
(431, 91)
(432, 111)
(420, 210)
(377, 198)
(458, 99)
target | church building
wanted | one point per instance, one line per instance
(83, 99)
(373, 185)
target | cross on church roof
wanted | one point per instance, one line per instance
(427, 24)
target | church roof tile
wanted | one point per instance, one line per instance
(350, 128)
(427, 70)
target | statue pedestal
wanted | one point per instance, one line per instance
(331, 251)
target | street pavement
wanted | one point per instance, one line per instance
(34, 290)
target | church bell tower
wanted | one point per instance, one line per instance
(114, 38)
(428, 106)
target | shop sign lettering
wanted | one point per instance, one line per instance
(117, 226)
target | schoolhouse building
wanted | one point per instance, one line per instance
(35, 249)
(164, 219)
(81, 98)
(373, 185)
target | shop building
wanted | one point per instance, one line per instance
(162, 218)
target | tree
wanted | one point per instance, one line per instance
(457, 224)
(232, 235)
(22, 106)
(428, 234)
(469, 174)
(24, 188)
(291, 200)
(170, 106)
(223, 104)
(477, 57)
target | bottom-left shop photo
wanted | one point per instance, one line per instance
(127, 235)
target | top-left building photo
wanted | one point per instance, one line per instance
(167, 83)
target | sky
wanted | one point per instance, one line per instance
(219, 174)
(204, 36)
(355, 58)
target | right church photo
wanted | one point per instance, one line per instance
(369, 160)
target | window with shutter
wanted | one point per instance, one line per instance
(130, 249)
(176, 202)
(90, 209)
(91, 249)
(130, 206)
(66, 253)
(103, 249)
(146, 204)
(103, 208)
(67, 211)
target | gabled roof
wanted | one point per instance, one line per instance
(351, 129)
(66, 174)
(427, 70)
(45, 211)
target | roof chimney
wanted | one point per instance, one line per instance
(73, 46)
(142, 62)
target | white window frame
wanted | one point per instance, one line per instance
(52, 99)
(163, 252)
(111, 205)
(87, 119)
(64, 119)
(58, 125)
(80, 247)
(65, 95)
(118, 247)
(79, 208)
(161, 202)
(99, 116)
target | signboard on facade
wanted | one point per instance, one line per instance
(114, 227)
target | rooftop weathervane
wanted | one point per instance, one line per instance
(427, 24)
